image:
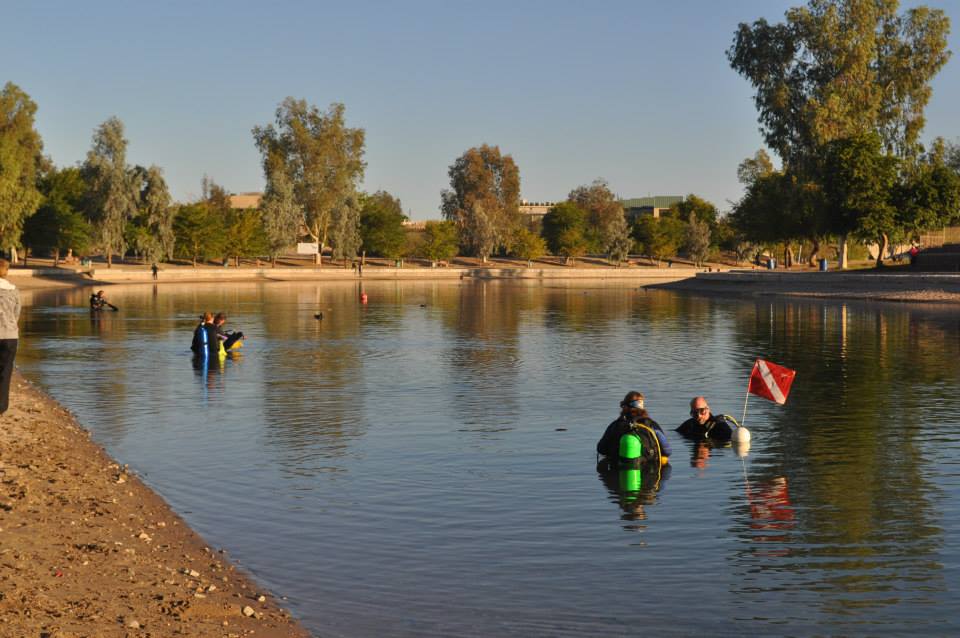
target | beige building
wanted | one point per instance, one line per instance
(244, 201)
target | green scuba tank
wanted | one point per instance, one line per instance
(631, 448)
(631, 480)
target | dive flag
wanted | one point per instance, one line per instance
(770, 381)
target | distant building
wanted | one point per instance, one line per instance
(244, 201)
(653, 206)
(414, 225)
(534, 211)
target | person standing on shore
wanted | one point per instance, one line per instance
(9, 332)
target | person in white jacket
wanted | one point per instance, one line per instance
(9, 332)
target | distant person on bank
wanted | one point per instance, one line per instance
(9, 332)
(704, 425)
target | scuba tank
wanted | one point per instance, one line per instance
(640, 446)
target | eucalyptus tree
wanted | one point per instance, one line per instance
(20, 158)
(606, 225)
(281, 214)
(345, 239)
(322, 159)
(838, 69)
(697, 239)
(150, 232)
(113, 192)
(483, 199)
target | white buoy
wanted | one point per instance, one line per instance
(741, 448)
(740, 435)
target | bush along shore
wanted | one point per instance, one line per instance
(86, 549)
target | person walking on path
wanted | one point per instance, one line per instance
(9, 332)
(154, 269)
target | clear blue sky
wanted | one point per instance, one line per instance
(639, 93)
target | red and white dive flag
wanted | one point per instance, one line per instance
(770, 381)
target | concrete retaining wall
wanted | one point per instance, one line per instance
(120, 275)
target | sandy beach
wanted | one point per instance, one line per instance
(86, 549)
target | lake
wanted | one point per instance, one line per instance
(424, 464)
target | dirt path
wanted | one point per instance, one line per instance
(87, 550)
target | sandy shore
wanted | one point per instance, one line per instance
(902, 286)
(86, 549)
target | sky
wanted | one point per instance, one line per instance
(637, 93)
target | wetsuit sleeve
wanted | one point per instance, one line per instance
(609, 443)
(662, 440)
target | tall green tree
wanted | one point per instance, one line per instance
(150, 231)
(243, 235)
(838, 69)
(113, 192)
(693, 206)
(20, 158)
(928, 196)
(323, 161)
(483, 199)
(606, 225)
(565, 230)
(282, 215)
(659, 237)
(345, 236)
(697, 239)
(198, 232)
(59, 224)
(381, 225)
(859, 179)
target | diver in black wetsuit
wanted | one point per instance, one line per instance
(205, 343)
(227, 337)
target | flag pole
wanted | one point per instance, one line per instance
(746, 399)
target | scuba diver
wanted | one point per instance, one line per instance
(98, 301)
(635, 455)
(705, 426)
(227, 337)
(205, 345)
(634, 438)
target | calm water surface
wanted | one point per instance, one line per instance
(424, 465)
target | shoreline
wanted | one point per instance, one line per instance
(87, 549)
(907, 287)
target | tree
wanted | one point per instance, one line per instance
(440, 241)
(605, 223)
(243, 234)
(150, 231)
(322, 159)
(112, 198)
(381, 225)
(838, 69)
(528, 245)
(697, 239)
(564, 229)
(620, 239)
(198, 232)
(859, 181)
(659, 237)
(928, 195)
(483, 199)
(20, 158)
(694, 206)
(59, 224)
(345, 229)
(282, 215)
